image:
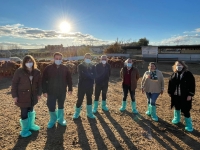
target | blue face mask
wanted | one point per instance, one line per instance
(58, 62)
(87, 61)
(129, 65)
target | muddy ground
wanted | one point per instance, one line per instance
(111, 130)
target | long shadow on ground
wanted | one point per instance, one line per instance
(23, 142)
(55, 138)
(120, 130)
(83, 140)
(162, 128)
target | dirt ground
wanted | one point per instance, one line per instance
(111, 130)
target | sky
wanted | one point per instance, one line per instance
(36, 23)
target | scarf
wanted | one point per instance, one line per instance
(153, 75)
(178, 82)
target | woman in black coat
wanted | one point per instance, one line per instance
(181, 89)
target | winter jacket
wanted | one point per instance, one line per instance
(102, 73)
(86, 74)
(187, 87)
(134, 76)
(56, 79)
(25, 90)
(153, 86)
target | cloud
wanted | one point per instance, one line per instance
(20, 31)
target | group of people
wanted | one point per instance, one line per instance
(28, 85)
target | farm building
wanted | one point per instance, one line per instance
(188, 53)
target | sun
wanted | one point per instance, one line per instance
(65, 27)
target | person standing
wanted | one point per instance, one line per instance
(129, 76)
(181, 89)
(86, 71)
(56, 78)
(153, 85)
(103, 71)
(26, 91)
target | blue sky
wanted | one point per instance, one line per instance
(34, 24)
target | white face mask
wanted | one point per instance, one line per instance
(87, 61)
(103, 62)
(29, 65)
(58, 62)
(179, 68)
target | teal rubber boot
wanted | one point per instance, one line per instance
(32, 125)
(89, 112)
(96, 103)
(104, 106)
(77, 112)
(60, 117)
(148, 112)
(153, 113)
(133, 106)
(123, 107)
(188, 124)
(53, 119)
(177, 117)
(25, 128)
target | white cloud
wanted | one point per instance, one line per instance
(20, 31)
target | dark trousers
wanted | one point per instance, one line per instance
(24, 112)
(180, 105)
(101, 88)
(51, 101)
(81, 93)
(127, 88)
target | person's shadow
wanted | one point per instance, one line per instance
(23, 142)
(82, 137)
(55, 137)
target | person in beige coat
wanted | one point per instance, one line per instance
(153, 86)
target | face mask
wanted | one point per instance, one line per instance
(129, 64)
(179, 68)
(29, 65)
(87, 61)
(103, 62)
(58, 62)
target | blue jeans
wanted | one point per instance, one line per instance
(24, 112)
(152, 97)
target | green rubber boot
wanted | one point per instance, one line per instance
(32, 125)
(133, 106)
(177, 117)
(60, 117)
(53, 119)
(96, 103)
(123, 107)
(89, 112)
(188, 124)
(77, 112)
(153, 113)
(25, 128)
(104, 106)
(148, 112)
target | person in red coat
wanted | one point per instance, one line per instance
(26, 91)
(129, 75)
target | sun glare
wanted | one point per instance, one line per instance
(65, 27)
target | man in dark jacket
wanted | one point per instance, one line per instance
(103, 71)
(56, 78)
(86, 71)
